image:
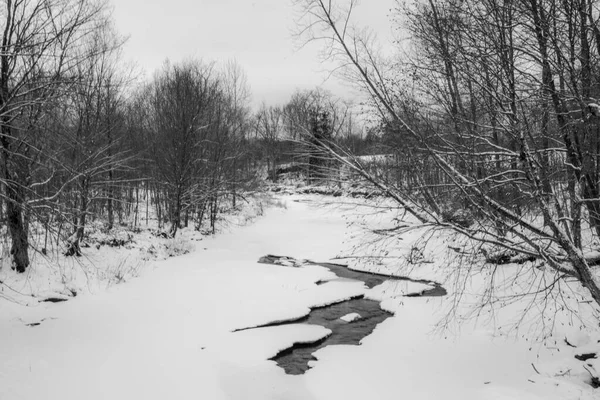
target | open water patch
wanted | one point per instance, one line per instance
(296, 360)
(372, 279)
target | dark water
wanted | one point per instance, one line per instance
(295, 359)
(371, 279)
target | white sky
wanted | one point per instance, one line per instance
(257, 33)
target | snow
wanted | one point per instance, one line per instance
(351, 317)
(256, 345)
(333, 292)
(404, 356)
(399, 288)
(172, 331)
(377, 158)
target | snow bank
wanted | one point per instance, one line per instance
(168, 334)
(257, 345)
(391, 289)
(332, 292)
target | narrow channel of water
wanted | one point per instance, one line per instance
(372, 279)
(295, 360)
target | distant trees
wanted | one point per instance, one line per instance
(270, 126)
(499, 101)
(320, 135)
(194, 123)
(91, 125)
(299, 131)
(179, 109)
(238, 96)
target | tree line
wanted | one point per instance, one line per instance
(292, 133)
(80, 141)
(84, 141)
(489, 112)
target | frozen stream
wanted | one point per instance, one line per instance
(170, 333)
(297, 359)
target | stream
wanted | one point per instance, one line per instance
(296, 360)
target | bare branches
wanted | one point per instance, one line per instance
(481, 120)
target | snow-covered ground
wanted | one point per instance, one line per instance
(171, 333)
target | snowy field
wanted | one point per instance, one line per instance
(169, 332)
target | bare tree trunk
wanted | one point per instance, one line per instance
(74, 242)
(147, 200)
(201, 212)
(175, 213)
(137, 205)
(14, 206)
(18, 233)
(109, 204)
(13, 190)
(158, 205)
(213, 213)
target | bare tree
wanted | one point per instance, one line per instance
(317, 116)
(494, 147)
(94, 150)
(269, 130)
(37, 60)
(238, 96)
(194, 119)
(179, 104)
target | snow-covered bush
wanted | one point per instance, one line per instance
(112, 238)
(178, 246)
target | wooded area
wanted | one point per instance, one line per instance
(443, 199)
(85, 141)
(492, 107)
(486, 123)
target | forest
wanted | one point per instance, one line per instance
(85, 139)
(484, 120)
(492, 109)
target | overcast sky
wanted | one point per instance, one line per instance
(257, 33)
